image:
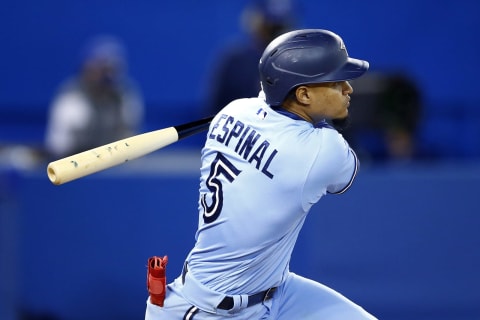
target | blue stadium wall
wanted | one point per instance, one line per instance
(173, 45)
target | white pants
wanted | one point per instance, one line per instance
(296, 298)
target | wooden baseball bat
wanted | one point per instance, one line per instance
(112, 154)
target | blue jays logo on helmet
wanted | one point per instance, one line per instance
(305, 57)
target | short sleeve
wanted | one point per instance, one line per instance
(333, 168)
(349, 172)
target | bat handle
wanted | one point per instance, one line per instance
(194, 127)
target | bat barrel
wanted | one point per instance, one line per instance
(121, 151)
(109, 155)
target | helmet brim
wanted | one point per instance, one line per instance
(352, 69)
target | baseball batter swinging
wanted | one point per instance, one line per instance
(266, 161)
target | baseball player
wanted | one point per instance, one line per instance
(266, 161)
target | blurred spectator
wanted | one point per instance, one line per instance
(385, 113)
(98, 105)
(236, 72)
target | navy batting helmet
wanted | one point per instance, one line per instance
(305, 57)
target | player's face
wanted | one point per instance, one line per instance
(330, 100)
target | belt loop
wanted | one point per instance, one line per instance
(240, 302)
(184, 272)
(269, 293)
(243, 301)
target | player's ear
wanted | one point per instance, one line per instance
(302, 93)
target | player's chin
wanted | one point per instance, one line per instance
(341, 123)
(343, 112)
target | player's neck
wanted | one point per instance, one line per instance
(297, 111)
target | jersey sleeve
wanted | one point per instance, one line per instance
(348, 172)
(341, 161)
(333, 169)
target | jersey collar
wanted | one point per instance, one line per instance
(321, 124)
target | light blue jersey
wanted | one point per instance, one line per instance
(262, 170)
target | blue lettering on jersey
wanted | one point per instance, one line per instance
(235, 132)
(224, 128)
(258, 156)
(249, 144)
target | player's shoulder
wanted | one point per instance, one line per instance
(243, 106)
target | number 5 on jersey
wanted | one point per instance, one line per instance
(221, 166)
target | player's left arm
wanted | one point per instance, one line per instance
(348, 169)
(333, 168)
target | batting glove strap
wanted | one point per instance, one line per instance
(156, 279)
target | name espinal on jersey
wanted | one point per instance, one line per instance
(245, 141)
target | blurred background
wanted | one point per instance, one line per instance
(403, 242)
